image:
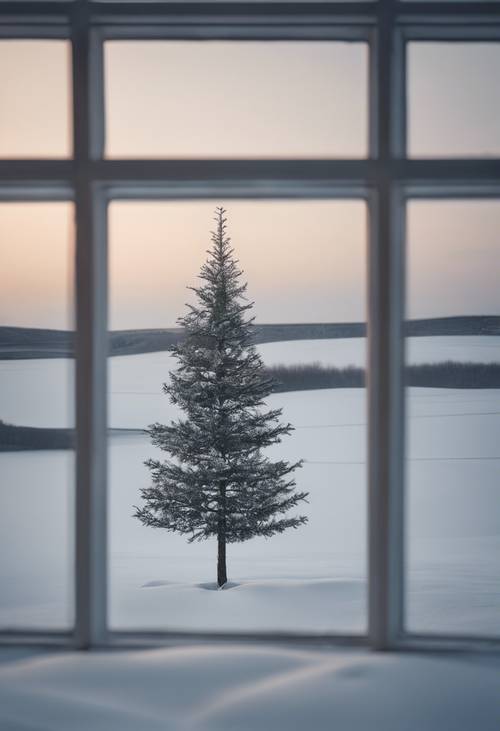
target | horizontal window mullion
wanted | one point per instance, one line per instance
(39, 28)
(363, 172)
(36, 191)
(35, 14)
(296, 12)
(485, 30)
(36, 171)
(40, 12)
(184, 170)
(445, 10)
(281, 30)
(460, 171)
(368, 172)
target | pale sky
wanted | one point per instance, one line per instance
(223, 99)
(305, 261)
(453, 258)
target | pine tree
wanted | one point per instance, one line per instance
(216, 481)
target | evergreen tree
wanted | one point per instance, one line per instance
(216, 481)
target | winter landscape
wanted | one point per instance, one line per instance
(311, 579)
(307, 578)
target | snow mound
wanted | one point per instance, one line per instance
(244, 688)
(255, 605)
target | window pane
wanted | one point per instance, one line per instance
(37, 415)
(453, 402)
(35, 99)
(236, 99)
(454, 99)
(312, 579)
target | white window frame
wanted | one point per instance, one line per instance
(385, 180)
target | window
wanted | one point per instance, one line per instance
(37, 421)
(454, 104)
(312, 579)
(35, 98)
(453, 498)
(130, 121)
(236, 99)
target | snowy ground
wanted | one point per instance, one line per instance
(40, 392)
(244, 688)
(312, 579)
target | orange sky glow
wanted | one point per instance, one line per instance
(304, 260)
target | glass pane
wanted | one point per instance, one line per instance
(454, 99)
(36, 415)
(236, 99)
(453, 402)
(312, 579)
(35, 99)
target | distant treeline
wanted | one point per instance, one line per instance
(19, 342)
(313, 376)
(448, 374)
(14, 438)
(451, 374)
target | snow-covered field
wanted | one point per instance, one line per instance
(40, 392)
(246, 687)
(312, 579)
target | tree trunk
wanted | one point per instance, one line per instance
(221, 560)
(221, 538)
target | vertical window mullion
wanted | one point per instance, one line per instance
(385, 344)
(91, 344)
